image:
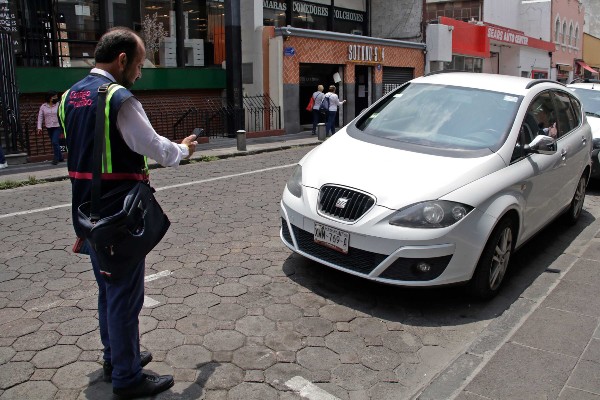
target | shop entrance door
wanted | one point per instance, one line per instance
(312, 75)
(362, 92)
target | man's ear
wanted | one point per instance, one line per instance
(122, 60)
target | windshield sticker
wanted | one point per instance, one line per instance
(512, 99)
(398, 95)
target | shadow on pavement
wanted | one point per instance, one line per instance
(442, 306)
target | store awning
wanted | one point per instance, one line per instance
(585, 66)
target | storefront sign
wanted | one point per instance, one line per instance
(348, 15)
(8, 21)
(505, 35)
(366, 54)
(275, 5)
(314, 9)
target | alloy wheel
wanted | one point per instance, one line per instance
(500, 258)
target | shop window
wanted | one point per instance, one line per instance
(539, 74)
(274, 17)
(78, 30)
(348, 21)
(464, 63)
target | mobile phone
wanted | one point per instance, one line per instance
(198, 132)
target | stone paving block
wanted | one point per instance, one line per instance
(255, 326)
(42, 375)
(222, 356)
(318, 358)
(166, 324)
(19, 327)
(254, 357)
(188, 356)
(585, 376)
(284, 340)
(584, 271)
(60, 314)
(184, 375)
(576, 297)
(37, 390)
(224, 340)
(196, 325)
(6, 353)
(78, 375)
(36, 341)
(13, 373)
(220, 376)
(56, 356)
(569, 337)
(575, 394)
(353, 377)
(23, 356)
(520, 372)
(162, 339)
(252, 391)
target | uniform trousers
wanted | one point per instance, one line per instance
(119, 306)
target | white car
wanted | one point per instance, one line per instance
(588, 91)
(441, 180)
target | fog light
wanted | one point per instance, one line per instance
(423, 267)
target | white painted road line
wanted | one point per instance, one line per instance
(258, 171)
(149, 302)
(154, 277)
(308, 390)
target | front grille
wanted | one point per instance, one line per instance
(356, 260)
(356, 205)
(404, 269)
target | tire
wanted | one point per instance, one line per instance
(574, 211)
(493, 263)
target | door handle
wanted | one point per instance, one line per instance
(563, 154)
(583, 140)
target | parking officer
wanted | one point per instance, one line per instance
(119, 58)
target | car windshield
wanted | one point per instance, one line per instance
(590, 99)
(443, 116)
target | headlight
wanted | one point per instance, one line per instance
(294, 184)
(430, 214)
(596, 143)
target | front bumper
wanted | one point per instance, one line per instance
(385, 253)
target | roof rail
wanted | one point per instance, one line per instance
(443, 71)
(538, 81)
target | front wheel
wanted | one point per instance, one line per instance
(574, 210)
(494, 260)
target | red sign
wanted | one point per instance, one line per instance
(507, 35)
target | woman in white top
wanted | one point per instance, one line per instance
(334, 103)
(318, 96)
(48, 117)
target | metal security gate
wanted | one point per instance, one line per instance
(10, 127)
(394, 77)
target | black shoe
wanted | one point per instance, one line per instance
(149, 386)
(145, 358)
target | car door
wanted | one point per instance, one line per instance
(536, 173)
(572, 145)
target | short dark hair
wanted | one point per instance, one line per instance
(115, 41)
(50, 95)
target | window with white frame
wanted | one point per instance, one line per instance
(570, 43)
(564, 33)
(576, 39)
(557, 29)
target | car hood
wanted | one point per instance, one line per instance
(595, 125)
(395, 177)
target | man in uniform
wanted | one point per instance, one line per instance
(119, 57)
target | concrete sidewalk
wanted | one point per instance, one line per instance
(217, 147)
(545, 346)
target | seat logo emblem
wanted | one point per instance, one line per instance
(341, 202)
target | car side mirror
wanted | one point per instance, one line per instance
(541, 144)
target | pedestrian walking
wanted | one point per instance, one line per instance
(318, 99)
(48, 117)
(119, 57)
(334, 103)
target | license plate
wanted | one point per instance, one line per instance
(333, 238)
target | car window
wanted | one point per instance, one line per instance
(566, 120)
(590, 99)
(541, 115)
(526, 135)
(576, 109)
(443, 116)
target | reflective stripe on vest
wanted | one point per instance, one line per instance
(61, 112)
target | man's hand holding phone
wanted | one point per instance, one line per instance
(191, 141)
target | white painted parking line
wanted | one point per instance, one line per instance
(308, 390)
(149, 302)
(258, 171)
(154, 277)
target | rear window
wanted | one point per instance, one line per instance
(443, 117)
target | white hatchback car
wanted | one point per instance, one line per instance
(441, 180)
(589, 93)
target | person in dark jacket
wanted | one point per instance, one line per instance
(130, 137)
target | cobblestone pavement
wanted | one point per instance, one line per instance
(230, 311)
